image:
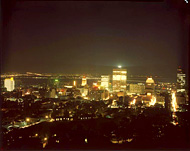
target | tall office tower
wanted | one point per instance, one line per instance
(180, 80)
(84, 81)
(9, 84)
(119, 79)
(105, 81)
(149, 86)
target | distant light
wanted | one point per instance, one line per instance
(45, 139)
(119, 66)
(153, 100)
(74, 83)
(36, 134)
(86, 140)
(46, 116)
(27, 119)
(133, 102)
(56, 80)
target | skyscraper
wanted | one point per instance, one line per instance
(119, 79)
(9, 84)
(149, 86)
(180, 80)
(84, 81)
(105, 81)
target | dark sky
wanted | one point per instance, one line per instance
(71, 37)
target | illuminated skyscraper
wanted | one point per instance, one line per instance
(149, 86)
(180, 80)
(84, 81)
(9, 84)
(105, 81)
(119, 79)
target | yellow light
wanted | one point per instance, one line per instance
(12, 79)
(148, 94)
(174, 103)
(45, 139)
(74, 83)
(46, 116)
(153, 100)
(51, 120)
(133, 102)
(28, 119)
(36, 134)
(86, 140)
(119, 66)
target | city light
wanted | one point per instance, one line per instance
(27, 119)
(9, 84)
(174, 103)
(111, 76)
(51, 120)
(133, 102)
(74, 83)
(45, 139)
(153, 101)
(86, 140)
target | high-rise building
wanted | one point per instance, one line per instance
(9, 84)
(180, 80)
(149, 86)
(136, 88)
(119, 79)
(84, 81)
(105, 81)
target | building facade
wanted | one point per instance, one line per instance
(105, 81)
(138, 88)
(84, 81)
(180, 80)
(149, 86)
(119, 80)
(9, 84)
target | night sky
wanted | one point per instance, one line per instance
(81, 37)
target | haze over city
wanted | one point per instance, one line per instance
(148, 38)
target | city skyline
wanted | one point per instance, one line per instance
(98, 75)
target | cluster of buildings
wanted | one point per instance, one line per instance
(107, 87)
